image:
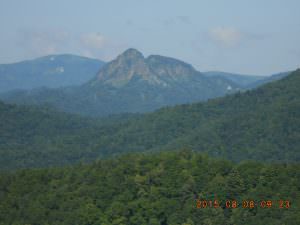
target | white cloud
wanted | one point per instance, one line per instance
(226, 36)
(36, 43)
(39, 43)
(93, 40)
(96, 45)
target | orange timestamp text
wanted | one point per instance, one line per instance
(246, 204)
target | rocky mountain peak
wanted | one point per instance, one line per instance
(169, 67)
(132, 53)
(121, 70)
(155, 69)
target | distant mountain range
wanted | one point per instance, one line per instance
(240, 79)
(50, 71)
(131, 83)
(54, 71)
(268, 79)
(261, 124)
(247, 82)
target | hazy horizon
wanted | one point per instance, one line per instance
(257, 38)
(204, 71)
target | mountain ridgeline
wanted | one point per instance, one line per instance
(51, 71)
(131, 83)
(261, 124)
(243, 80)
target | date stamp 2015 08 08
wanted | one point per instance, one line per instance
(246, 204)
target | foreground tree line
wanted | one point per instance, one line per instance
(162, 188)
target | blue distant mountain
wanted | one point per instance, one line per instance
(268, 79)
(240, 79)
(246, 81)
(128, 84)
(51, 71)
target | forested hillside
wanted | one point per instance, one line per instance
(155, 189)
(31, 137)
(147, 136)
(263, 124)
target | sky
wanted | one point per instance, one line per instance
(257, 37)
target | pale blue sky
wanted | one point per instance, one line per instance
(252, 37)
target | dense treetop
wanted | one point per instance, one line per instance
(152, 189)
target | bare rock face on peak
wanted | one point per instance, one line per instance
(155, 70)
(126, 66)
(132, 83)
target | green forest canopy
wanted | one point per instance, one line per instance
(152, 189)
(262, 124)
